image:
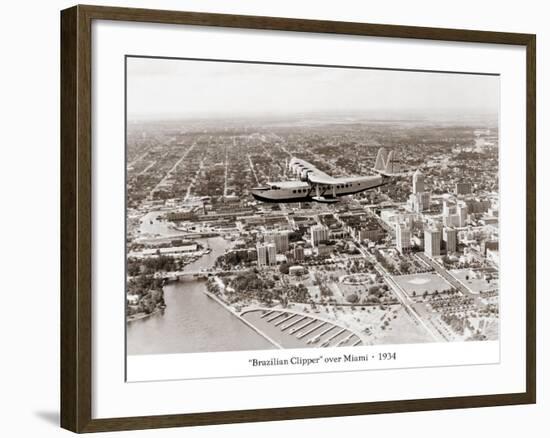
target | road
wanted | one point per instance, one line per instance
(449, 278)
(252, 168)
(174, 167)
(404, 299)
(192, 183)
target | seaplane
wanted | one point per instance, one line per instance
(312, 184)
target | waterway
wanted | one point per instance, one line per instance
(192, 322)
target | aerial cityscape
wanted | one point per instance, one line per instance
(212, 266)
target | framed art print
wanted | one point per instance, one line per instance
(289, 214)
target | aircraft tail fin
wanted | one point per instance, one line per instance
(381, 159)
(386, 164)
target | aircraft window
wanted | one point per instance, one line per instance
(293, 191)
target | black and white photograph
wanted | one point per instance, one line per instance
(279, 206)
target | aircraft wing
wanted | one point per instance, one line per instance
(314, 175)
(318, 177)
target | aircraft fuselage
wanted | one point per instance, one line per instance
(304, 191)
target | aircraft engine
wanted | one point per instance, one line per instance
(303, 175)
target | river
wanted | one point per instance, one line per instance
(192, 322)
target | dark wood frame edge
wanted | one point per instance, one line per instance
(76, 168)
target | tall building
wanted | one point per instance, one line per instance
(432, 242)
(418, 182)
(462, 210)
(449, 208)
(463, 188)
(403, 238)
(298, 253)
(280, 239)
(319, 234)
(451, 220)
(420, 201)
(267, 255)
(271, 254)
(454, 215)
(262, 255)
(449, 237)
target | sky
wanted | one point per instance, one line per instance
(178, 88)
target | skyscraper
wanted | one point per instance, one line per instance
(262, 255)
(280, 239)
(271, 254)
(449, 208)
(449, 237)
(419, 199)
(403, 238)
(418, 182)
(462, 210)
(298, 253)
(267, 255)
(319, 233)
(432, 242)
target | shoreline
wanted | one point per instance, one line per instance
(230, 310)
(143, 316)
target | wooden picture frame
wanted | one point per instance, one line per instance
(76, 217)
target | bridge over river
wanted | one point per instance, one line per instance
(194, 274)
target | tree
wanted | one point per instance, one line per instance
(284, 268)
(374, 290)
(405, 267)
